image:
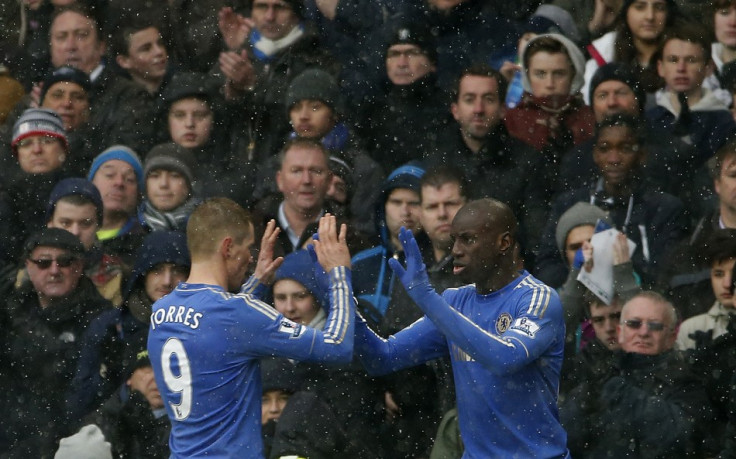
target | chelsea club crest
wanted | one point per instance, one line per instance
(503, 322)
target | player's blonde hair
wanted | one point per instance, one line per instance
(214, 220)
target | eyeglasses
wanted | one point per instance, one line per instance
(636, 324)
(63, 261)
(615, 316)
(42, 140)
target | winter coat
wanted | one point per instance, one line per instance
(645, 406)
(505, 169)
(403, 125)
(655, 224)
(132, 428)
(711, 123)
(40, 350)
(553, 124)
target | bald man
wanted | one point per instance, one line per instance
(504, 332)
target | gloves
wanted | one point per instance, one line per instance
(579, 260)
(414, 277)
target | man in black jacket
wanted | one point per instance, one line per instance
(649, 404)
(495, 164)
(40, 330)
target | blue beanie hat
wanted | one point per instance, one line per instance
(74, 186)
(298, 267)
(122, 153)
(407, 176)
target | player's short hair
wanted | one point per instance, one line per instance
(715, 164)
(301, 142)
(670, 311)
(485, 71)
(214, 220)
(690, 32)
(721, 246)
(549, 45)
(442, 174)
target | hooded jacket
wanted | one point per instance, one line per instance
(554, 122)
(105, 338)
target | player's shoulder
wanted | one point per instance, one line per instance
(458, 293)
(535, 295)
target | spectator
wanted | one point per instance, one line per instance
(401, 124)
(43, 322)
(669, 163)
(40, 148)
(75, 205)
(120, 110)
(686, 278)
(635, 40)
(551, 116)
(162, 261)
(314, 104)
(684, 107)
(197, 119)
(303, 179)
(139, 49)
(648, 403)
(352, 397)
(652, 220)
(133, 419)
(412, 395)
(264, 53)
(495, 163)
(118, 174)
(169, 198)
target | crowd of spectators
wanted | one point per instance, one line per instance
(607, 127)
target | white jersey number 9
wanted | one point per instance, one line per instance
(181, 384)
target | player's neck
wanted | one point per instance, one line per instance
(501, 278)
(208, 272)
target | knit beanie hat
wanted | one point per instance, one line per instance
(313, 84)
(74, 186)
(407, 176)
(53, 237)
(171, 157)
(122, 153)
(189, 84)
(136, 353)
(298, 267)
(279, 374)
(582, 213)
(342, 166)
(619, 72)
(66, 73)
(39, 121)
(415, 33)
(88, 443)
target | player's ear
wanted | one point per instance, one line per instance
(225, 246)
(505, 242)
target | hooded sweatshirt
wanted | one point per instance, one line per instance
(553, 123)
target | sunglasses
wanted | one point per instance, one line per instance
(636, 324)
(63, 261)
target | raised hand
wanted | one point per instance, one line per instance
(266, 266)
(234, 27)
(331, 248)
(415, 273)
